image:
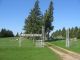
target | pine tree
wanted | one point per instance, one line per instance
(78, 36)
(48, 18)
(76, 32)
(33, 23)
(17, 35)
(64, 32)
(6, 33)
(72, 35)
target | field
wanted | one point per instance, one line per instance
(10, 50)
(74, 45)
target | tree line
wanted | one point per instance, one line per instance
(35, 20)
(6, 33)
(74, 32)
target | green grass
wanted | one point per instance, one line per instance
(9, 50)
(74, 45)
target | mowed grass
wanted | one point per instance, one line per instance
(10, 50)
(74, 45)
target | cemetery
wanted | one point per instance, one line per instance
(10, 50)
(35, 34)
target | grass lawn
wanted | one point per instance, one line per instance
(74, 45)
(9, 50)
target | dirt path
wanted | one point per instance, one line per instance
(65, 54)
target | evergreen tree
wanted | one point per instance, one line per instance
(17, 35)
(33, 23)
(76, 31)
(78, 36)
(56, 34)
(3, 33)
(59, 32)
(72, 35)
(48, 18)
(6, 33)
(64, 32)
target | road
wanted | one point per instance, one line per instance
(65, 54)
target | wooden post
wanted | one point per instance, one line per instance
(67, 38)
(43, 35)
(20, 41)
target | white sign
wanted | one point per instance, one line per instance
(31, 35)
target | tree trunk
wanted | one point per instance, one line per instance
(48, 36)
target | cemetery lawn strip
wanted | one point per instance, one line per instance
(9, 50)
(74, 46)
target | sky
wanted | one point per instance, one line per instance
(13, 13)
